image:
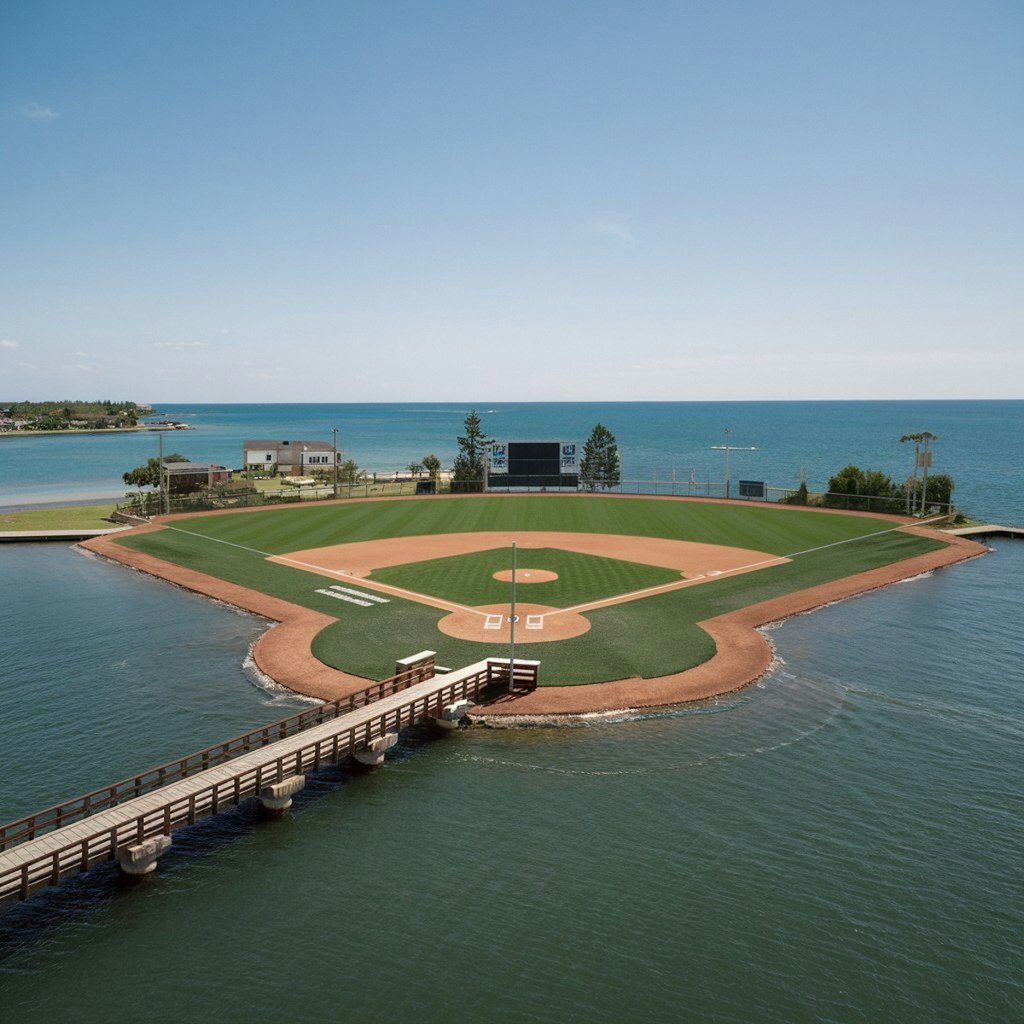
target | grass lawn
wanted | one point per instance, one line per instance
(74, 517)
(653, 636)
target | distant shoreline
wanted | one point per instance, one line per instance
(146, 429)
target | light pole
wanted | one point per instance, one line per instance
(165, 501)
(334, 431)
(512, 625)
(922, 459)
(926, 461)
(726, 448)
(912, 493)
(729, 448)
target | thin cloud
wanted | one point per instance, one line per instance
(37, 112)
(179, 345)
(609, 227)
(8, 343)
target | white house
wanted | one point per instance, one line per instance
(287, 458)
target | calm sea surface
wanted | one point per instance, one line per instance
(839, 843)
(978, 442)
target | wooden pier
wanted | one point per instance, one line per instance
(988, 530)
(132, 820)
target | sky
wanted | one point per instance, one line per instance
(452, 201)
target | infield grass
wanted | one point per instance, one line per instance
(653, 636)
(469, 579)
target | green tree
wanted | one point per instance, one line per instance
(415, 468)
(940, 490)
(867, 489)
(799, 497)
(349, 472)
(432, 464)
(600, 466)
(148, 475)
(468, 468)
(849, 480)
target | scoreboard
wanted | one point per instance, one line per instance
(533, 464)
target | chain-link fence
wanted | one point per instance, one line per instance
(149, 503)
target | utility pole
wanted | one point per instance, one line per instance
(334, 431)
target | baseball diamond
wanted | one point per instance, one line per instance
(627, 601)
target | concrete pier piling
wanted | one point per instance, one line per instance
(276, 798)
(451, 715)
(372, 755)
(140, 858)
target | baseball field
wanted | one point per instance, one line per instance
(606, 587)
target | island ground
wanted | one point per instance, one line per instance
(682, 637)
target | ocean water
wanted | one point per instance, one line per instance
(838, 843)
(659, 441)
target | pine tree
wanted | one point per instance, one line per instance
(599, 467)
(468, 468)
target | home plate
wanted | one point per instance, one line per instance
(537, 623)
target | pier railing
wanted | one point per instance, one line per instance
(70, 811)
(77, 849)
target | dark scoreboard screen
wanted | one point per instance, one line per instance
(534, 464)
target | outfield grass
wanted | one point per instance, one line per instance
(650, 637)
(74, 517)
(760, 528)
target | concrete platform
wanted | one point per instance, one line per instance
(989, 530)
(38, 536)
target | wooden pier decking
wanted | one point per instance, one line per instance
(987, 530)
(41, 849)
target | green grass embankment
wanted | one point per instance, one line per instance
(74, 517)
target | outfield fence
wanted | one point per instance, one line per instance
(149, 503)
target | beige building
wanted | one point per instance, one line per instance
(287, 458)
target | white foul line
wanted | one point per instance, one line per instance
(410, 595)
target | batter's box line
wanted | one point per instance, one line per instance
(494, 621)
(534, 621)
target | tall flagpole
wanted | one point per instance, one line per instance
(512, 625)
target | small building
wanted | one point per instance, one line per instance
(288, 458)
(187, 477)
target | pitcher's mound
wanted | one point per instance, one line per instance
(535, 624)
(526, 576)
